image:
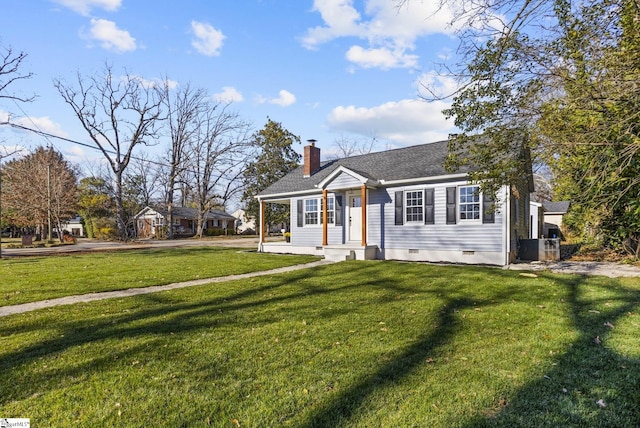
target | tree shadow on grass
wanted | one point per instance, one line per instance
(587, 371)
(168, 315)
(342, 408)
(176, 312)
(590, 383)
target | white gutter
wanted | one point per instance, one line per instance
(287, 194)
(424, 179)
(506, 226)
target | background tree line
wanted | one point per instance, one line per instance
(559, 81)
(209, 154)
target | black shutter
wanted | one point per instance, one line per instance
(488, 209)
(451, 205)
(399, 207)
(300, 213)
(337, 205)
(429, 217)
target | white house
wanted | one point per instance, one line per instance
(398, 204)
(553, 215)
(74, 227)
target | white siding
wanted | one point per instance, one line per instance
(462, 236)
(311, 235)
(344, 181)
(463, 242)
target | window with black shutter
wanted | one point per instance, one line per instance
(451, 205)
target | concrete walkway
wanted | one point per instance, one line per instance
(611, 270)
(90, 297)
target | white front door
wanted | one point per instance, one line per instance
(355, 218)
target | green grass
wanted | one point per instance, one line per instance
(30, 279)
(362, 344)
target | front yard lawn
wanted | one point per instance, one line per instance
(353, 344)
(30, 279)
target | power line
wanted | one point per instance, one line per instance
(68, 140)
(48, 135)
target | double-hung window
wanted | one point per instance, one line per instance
(414, 206)
(469, 203)
(313, 211)
(330, 210)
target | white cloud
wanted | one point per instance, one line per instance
(380, 58)
(208, 40)
(83, 7)
(152, 83)
(390, 31)
(285, 99)
(110, 36)
(341, 19)
(404, 122)
(76, 154)
(43, 123)
(229, 94)
(432, 85)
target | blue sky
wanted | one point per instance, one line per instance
(325, 69)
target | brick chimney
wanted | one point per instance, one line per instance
(311, 159)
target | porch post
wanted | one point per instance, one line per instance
(324, 217)
(363, 191)
(262, 222)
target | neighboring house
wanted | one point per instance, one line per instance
(399, 204)
(152, 222)
(74, 227)
(244, 224)
(553, 214)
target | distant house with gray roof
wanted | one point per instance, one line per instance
(554, 213)
(398, 204)
(153, 222)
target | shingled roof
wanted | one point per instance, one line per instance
(422, 161)
(560, 207)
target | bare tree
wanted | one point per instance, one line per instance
(184, 109)
(10, 72)
(347, 147)
(217, 155)
(10, 63)
(144, 173)
(119, 114)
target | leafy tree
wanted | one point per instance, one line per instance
(119, 114)
(557, 80)
(594, 124)
(40, 183)
(276, 158)
(95, 202)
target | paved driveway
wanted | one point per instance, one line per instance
(612, 270)
(85, 245)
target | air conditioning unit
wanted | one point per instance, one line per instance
(546, 249)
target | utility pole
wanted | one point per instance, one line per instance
(49, 232)
(0, 209)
